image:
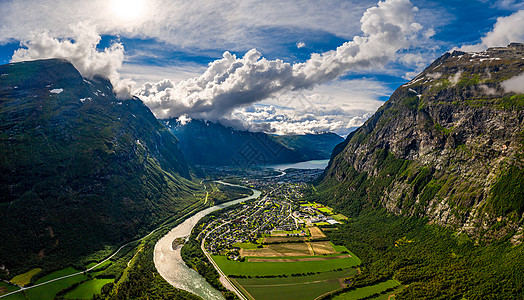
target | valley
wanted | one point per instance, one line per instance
(276, 244)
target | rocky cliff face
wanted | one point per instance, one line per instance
(448, 145)
(79, 168)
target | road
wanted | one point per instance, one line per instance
(223, 278)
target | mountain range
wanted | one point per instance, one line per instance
(448, 145)
(79, 168)
(210, 143)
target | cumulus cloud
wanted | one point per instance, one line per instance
(232, 82)
(506, 30)
(514, 84)
(301, 45)
(80, 49)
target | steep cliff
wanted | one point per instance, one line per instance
(448, 146)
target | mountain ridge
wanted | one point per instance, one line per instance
(444, 146)
(79, 168)
(209, 143)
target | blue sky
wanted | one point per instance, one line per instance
(177, 40)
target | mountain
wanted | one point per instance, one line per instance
(79, 168)
(208, 143)
(447, 146)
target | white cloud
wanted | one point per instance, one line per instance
(301, 45)
(514, 84)
(232, 82)
(506, 30)
(81, 51)
(455, 78)
(336, 107)
(224, 24)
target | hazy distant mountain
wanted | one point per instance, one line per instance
(209, 143)
(79, 169)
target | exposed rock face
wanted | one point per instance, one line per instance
(460, 135)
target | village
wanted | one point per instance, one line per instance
(276, 216)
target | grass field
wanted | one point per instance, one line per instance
(246, 245)
(301, 287)
(49, 291)
(276, 268)
(7, 288)
(390, 295)
(87, 289)
(309, 290)
(339, 248)
(339, 217)
(367, 290)
(25, 279)
(325, 210)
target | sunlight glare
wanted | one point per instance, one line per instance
(128, 9)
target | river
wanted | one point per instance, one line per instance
(169, 263)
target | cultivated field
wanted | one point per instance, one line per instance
(307, 258)
(279, 239)
(301, 287)
(87, 289)
(25, 279)
(285, 249)
(322, 248)
(248, 268)
(316, 233)
(368, 290)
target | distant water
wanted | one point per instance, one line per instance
(310, 164)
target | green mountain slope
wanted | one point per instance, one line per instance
(79, 169)
(448, 145)
(433, 183)
(208, 143)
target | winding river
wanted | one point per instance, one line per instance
(169, 263)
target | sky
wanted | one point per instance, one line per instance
(282, 67)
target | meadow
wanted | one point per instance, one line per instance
(88, 289)
(300, 287)
(230, 267)
(368, 291)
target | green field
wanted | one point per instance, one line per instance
(325, 210)
(299, 279)
(24, 279)
(87, 289)
(246, 245)
(367, 290)
(8, 287)
(308, 290)
(49, 290)
(302, 256)
(339, 217)
(386, 295)
(230, 267)
(300, 287)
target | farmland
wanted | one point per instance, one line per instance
(273, 245)
(302, 287)
(230, 267)
(368, 291)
